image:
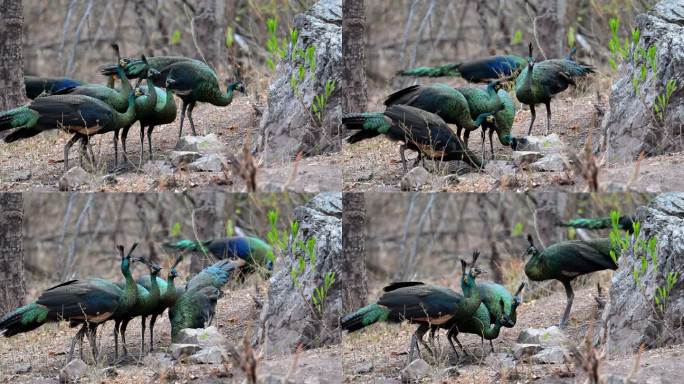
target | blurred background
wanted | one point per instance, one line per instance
(74, 235)
(423, 236)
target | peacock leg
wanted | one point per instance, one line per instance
(192, 123)
(466, 137)
(116, 148)
(420, 333)
(79, 335)
(142, 143)
(116, 339)
(482, 137)
(548, 118)
(571, 296)
(451, 334)
(534, 116)
(142, 335)
(149, 139)
(122, 331)
(153, 319)
(491, 143)
(402, 149)
(180, 129)
(124, 137)
(491, 345)
(92, 330)
(67, 148)
(414, 347)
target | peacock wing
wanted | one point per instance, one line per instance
(74, 112)
(421, 303)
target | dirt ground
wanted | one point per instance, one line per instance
(375, 165)
(36, 164)
(378, 353)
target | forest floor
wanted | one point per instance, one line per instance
(36, 164)
(378, 353)
(43, 351)
(374, 165)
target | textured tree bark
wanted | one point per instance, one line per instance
(207, 30)
(547, 216)
(12, 91)
(354, 57)
(550, 28)
(204, 220)
(11, 251)
(353, 267)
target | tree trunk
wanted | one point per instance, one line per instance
(547, 216)
(205, 222)
(207, 30)
(550, 28)
(11, 251)
(353, 268)
(353, 53)
(12, 91)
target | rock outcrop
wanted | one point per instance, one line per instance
(630, 126)
(631, 315)
(288, 126)
(289, 319)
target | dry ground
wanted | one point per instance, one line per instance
(381, 349)
(375, 165)
(41, 158)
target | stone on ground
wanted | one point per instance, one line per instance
(73, 179)
(209, 144)
(158, 361)
(523, 158)
(209, 355)
(73, 371)
(416, 371)
(542, 144)
(204, 337)
(550, 336)
(181, 158)
(414, 179)
(549, 163)
(181, 350)
(207, 163)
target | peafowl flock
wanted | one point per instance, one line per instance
(474, 71)
(625, 223)
(418, 130)
(567, 260)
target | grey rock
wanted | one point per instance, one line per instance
(542, 144)
(414, 179)
(551, 336)
(500, 360)
(180, 158)
(204, 337)
(549, 163)
(550, 355)
(286, 126)
(523, 158)
(180, 350)
(158, 361)
(209, 144)
(20, 369)
(209, 355)
(416, 371)
(629, 127)
(367, 367)
(157, 168)
(208, 163)
(499, 168)
(287, 318)
(73, 179)
(522, 351)
(72, 371)
(20, 176)
(630, 314)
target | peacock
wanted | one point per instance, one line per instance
(37, 86)
(451, 104)
(195, 307)
(255, 252)
(164, 112)
(418, 130)
(195, 82)
(81, 115)
(134, 68)
(625, 223)
(145, 305)
(539, 82)
(428, 306)
(482, 101)
(503, 122)
(475, 71)
(566, 260)
(491, 292)
(168, 294)
(88, 302)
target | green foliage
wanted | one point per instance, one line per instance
(230, 37)
(517, 38)
(662, 296)
(230, 228)
(571, 37)
(175, 230)
(321, 101)
(321, 293)
(518, 229)
(175, 37)
(278, 47)
(663, 101)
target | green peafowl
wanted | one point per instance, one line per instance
(255, 252)
(451, 104)
(482, 101)
(491, 292)
(195, 82)
(88, 302)
(429, 306)
(419, 130)
(168, 294)
(539, 82)
(475, 71)
(145, 305)
(503, 122)
(81, 115)
(625, 223)
(134, 67)
(37, 86)
(566, 260)
(195, 307)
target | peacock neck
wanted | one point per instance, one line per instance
(492, 332)
(151, 101)
(223, 99)
(154, 288)
(170, 290)
(131, 291)
(481, 119)
(471, 294)
(125, 84)
(128, 117)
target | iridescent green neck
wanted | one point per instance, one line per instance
(471, 293)
(492, 332)
(125, 84)
(131, 290)
(223, 99)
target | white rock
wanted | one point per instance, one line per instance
(523, 158)
(543, 144)
(521, 351)
(208, 163)
(209, 355)
(180, 350)
(73, 178)
(180, 158)
(499, 168)
(500, 360)
(551, 336)
(416, 371)
(205, 337)
(201, 144)
(550, 355)
(72, 371)
(414, 179)
(550, 163)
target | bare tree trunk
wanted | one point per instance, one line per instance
(550, 28)
(206, 26)
(547, 213)
(204, 222)
(354, 57)
(353, 267)
(11, 251)
(12, 91)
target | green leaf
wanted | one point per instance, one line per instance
(571, 37)
(230, 38)
(517, 38)
(518, 229)
(175, 37)
(230, 229)
(175, 230)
